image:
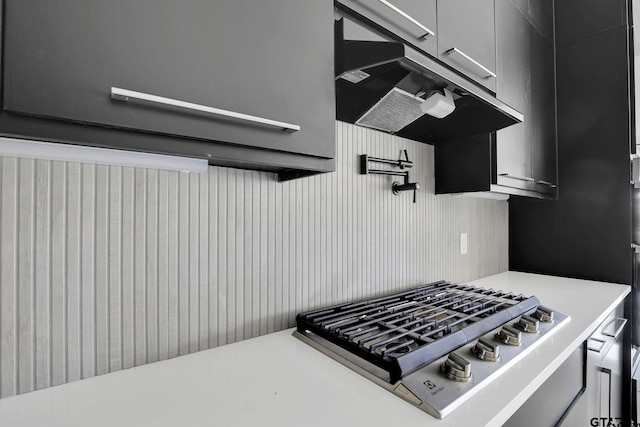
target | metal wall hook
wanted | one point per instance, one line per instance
(401, 163)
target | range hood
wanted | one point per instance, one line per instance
(382, 83)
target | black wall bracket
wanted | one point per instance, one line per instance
(400, 163)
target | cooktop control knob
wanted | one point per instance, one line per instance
(543, 314)
(510, 335)
(486, 350)
(456, 368)
(528, 324)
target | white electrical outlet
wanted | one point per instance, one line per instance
(463, 243)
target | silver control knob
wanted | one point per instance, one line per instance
(543, 314)
(486, 350)
(510, 335)
(456, 368)
(528, 324)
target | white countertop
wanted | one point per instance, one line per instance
(277, 380)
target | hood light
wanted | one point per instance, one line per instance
(439, 105)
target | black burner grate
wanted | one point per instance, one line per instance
(404, 331)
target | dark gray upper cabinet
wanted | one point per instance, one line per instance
(466, 38)
(412, 20)
(542, 129)
(514, 63)
(520, 159)
(265, 60)
(526, 152)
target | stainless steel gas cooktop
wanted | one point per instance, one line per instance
(435, 345)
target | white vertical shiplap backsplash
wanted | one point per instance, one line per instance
(103, 268)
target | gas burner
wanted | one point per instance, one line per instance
(397, 348)
(383, 344)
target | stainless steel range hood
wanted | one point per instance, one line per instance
(382, 83)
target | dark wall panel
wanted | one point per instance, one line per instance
(583, 18)
(587, 232)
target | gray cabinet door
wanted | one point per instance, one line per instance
(524, 161)
(513, 144)
(466, 38)
(542, 128)
(412, 20)
(553, 401)
(270, 60)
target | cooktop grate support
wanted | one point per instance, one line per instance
(404, 331)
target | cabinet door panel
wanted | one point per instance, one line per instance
(62, 58)
(513, 147)
(406, 18)
(543, 115)
(565, 385)
(468, 26)
(513, 164)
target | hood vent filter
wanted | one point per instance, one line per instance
(393, 112)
